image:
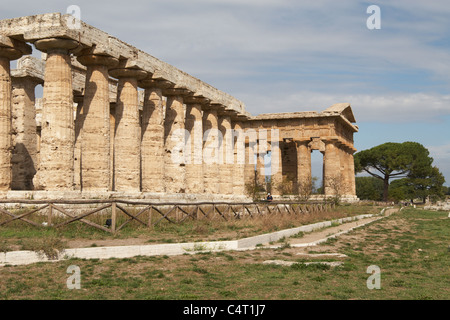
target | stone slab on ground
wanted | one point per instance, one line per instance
(291, 263)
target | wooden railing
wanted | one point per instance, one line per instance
(60, 213)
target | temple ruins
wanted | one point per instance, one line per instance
(115, 121)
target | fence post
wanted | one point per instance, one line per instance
(150, 216)
(113, 217)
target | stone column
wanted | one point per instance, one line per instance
(211, 151)
(251, 151)
(127, 137)
(79, 119)
(174, 144)
(152, 138)
(56, 171)
(351, 172)
(7, 54)
(276, 169)
(343, 160)
(304, 178)
(95, 165)
(239, 159)
(260, 167)
(331, 175)
(24, 153)
(112, 130)
(194, 149)
(226, 155)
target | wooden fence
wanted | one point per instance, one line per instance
(60, 213)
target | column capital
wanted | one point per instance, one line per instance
(303, 141)
(52, 44)
(176, 92)
(212, 107)
(155, 83)
(330, 139)
(24, 78)
(226, 112)
(190, 99)
(97, 59)
(13, 49)
(128, 73)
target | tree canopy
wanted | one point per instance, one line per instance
(400, 160)
(369, 188)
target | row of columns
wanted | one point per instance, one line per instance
(143, 153)
(338, 165)
(145, 150)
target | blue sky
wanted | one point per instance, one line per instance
(284, 56)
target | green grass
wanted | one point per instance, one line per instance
(410, 247)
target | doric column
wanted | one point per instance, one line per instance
(226, 155)
(331, 174)
(260, 166)
(95, 165)
(194, 147)
(56, 170)
(152, 137)
(211, 151)
(174, 143)
(276, 169)
(304, 178)
(343, 161)
(239, 159)
(9, 50)
(24, 154)
(77, 156)
(251, 151)
(127, 138)
(351, 172)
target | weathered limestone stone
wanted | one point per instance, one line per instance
(343, 160)
(261, 169)
(77, 154)
(9, 50)
(332, 182)
(239, 159)
(251, 151)
(304, 166)
(127, 138)
(276, 170)
(211, 152)
(5, 123)
(226, 156)
(95, 142)
(174, 135)
(194, 149)
(152, 141)
(57, 135)
(24, 155)
(351, 173)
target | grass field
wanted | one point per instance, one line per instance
(411, 248)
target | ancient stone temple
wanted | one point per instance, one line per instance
(116, 121)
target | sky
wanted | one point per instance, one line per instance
(287, 56)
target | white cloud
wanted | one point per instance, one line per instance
(441, 156)
(393, 107)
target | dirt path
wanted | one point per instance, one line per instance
(333, 231)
